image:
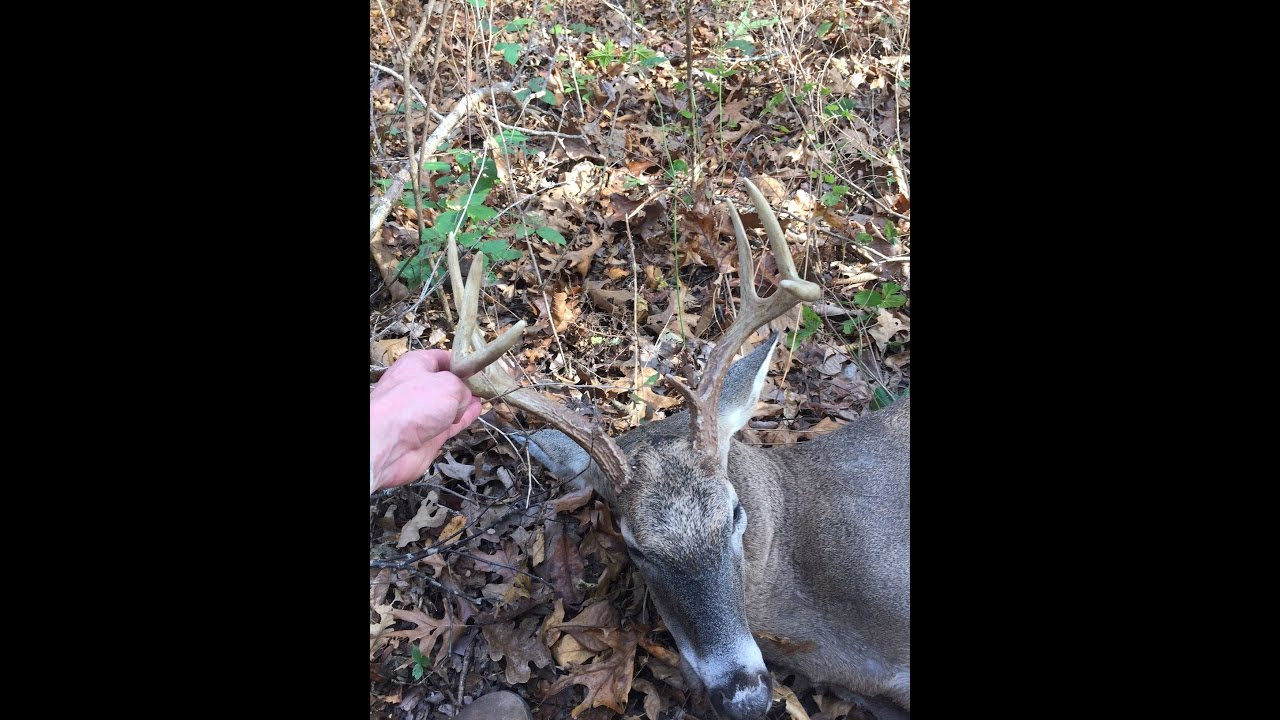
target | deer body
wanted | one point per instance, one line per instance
(805, 547)
(825, 587)
(828, 553)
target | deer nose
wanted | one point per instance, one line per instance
(746, 696)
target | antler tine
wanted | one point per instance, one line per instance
(473, 360)
(755, 311)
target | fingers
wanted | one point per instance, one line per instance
(464, 400)
(470, 413)
(417, 362)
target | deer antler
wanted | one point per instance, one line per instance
(756, 311)
(474, 361)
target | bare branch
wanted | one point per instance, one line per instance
(378, 215)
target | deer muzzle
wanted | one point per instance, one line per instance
(746, 696)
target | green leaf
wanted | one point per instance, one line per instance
(867, 298)
(444, 180)
(651, 61)
(433, 166)
(498, 250)
(551, 235)
(476, 198)
(847, 327)
(510, 51)
(833, 196)
(808, 326)
(511, 138)
(581, 28)
(891, 232)
(881, 399)
(686, 114)
(746, 47)
(823, 29)
(447, 221)
(468, 239)
(476, 3)
(777, 99)
(864, 238)
(894, 301)
(480, 213)
(522, 94)
(518, 24)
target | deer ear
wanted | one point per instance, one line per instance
(556, 452)
(740, 391)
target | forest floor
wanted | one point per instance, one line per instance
(594, 186)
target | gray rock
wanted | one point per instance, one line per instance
(501, 705)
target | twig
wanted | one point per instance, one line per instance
(435, 114)
(400, 77)
(409, 132)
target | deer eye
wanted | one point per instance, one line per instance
(739, 515)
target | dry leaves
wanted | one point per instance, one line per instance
(430, 515)
(521, 646)
(609, 193)
(608, 656)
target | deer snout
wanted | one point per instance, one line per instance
(746, 696)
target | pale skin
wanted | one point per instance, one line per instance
(416, 406)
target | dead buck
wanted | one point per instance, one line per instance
(806, 546)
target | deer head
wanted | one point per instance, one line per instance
(669, 485)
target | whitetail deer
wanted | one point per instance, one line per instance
(807, 545)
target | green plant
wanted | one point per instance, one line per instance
(510, 51)
(809, 323)
(463, 212)
(891, 232)
(421, 663)
(886, 296)
(881, 398)
(832, 196)
(777, 99)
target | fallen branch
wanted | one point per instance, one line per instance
(379, 213)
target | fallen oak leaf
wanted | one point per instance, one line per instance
(454, 527)
(795, 710)
(430, 630)
(563, 566)
(386, 352)
(580, 259)
(520, 646)
(654, 704)
(430, 515)
(608, 679)
(568, 652)
(887, 325)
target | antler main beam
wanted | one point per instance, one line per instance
(475, 361)
(755, 311)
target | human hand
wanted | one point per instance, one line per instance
(414, 408)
